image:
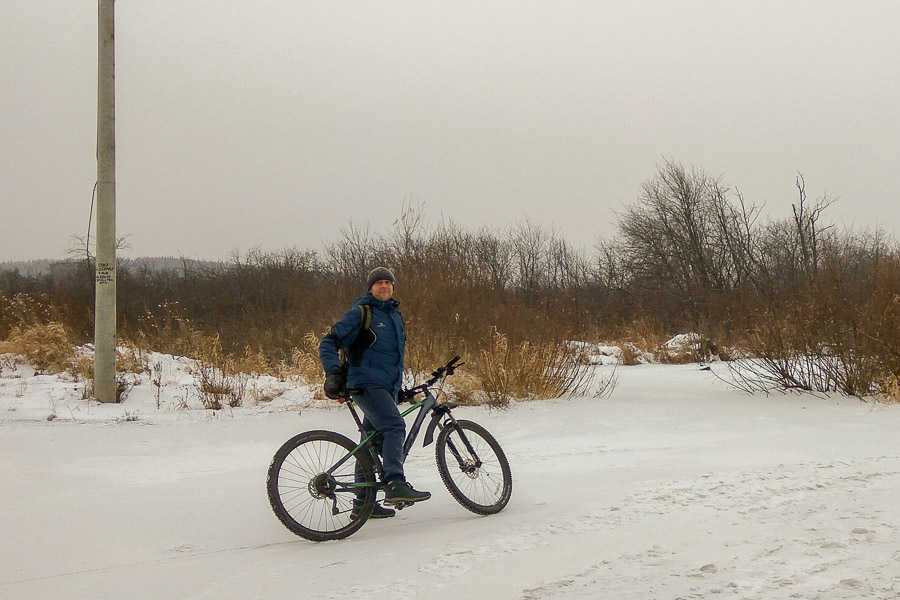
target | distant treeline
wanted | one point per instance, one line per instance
(689, 254)
(44, 266)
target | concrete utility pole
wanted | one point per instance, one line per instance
(105, 298)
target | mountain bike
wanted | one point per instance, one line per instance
(322, 486)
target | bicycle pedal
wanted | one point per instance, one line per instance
(402, 505)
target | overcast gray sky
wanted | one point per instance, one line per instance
(275, 123)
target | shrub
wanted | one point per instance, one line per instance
(219, 382)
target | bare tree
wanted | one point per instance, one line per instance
(686, 238)
(808, 231)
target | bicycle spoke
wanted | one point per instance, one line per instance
(477, 475)
(310, 501)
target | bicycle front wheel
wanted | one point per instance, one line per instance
(311, 501)
(473, 467)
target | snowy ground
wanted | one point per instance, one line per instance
(676, 486)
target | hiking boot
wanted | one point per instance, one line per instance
(398, 491)
(378, 512)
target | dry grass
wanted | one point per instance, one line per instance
(530, 371)
(177, 335)
(426, 349)
(83, 368)
(631, 354)
(639, 340)
(305, 360)
(687, 348)
(681, 355)
(645, 333)
(890, 390)
(49, 349)
(45, 346)
(253, 362)
(465, 388)
(263, 394)
(219, 380)
(130, 358)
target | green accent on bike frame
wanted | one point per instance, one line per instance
(412, 408)
(359, 446)
(347, 456)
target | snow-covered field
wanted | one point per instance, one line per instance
(676, 486)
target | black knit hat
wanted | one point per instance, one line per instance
(377, 274)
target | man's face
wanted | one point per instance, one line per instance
(383, 289)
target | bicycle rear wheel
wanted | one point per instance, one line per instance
(473, 467)
(312, 502)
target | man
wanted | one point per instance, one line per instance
(376, 370)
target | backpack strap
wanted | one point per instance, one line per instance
(365, 319)
(365, 337)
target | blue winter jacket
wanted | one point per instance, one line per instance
(381, 363)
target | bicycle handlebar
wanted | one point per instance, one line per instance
(411, 393)
(436, 375)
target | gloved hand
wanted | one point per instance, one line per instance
(334, 384)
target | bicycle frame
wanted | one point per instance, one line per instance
(424, 406)
(429, 403)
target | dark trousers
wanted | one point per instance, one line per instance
(382, 414)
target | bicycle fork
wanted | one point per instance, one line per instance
(468, 466)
